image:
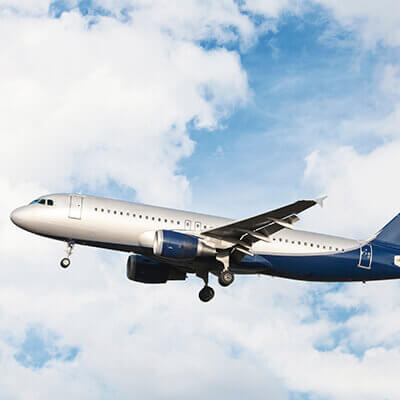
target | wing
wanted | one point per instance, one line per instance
(244, 232)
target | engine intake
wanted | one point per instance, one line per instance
(142, 269)
(173, 244)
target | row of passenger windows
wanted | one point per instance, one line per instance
(140, 216)
(311, 244)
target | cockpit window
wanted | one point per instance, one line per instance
(42, 201)
(34, 201)
(50, 202)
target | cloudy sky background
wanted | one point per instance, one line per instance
(225, 107)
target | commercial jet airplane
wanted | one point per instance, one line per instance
(166, 244)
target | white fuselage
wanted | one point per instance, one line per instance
(108, 222)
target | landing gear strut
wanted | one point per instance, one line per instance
(207, 293)
(65, 262)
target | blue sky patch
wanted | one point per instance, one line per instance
(40, 347)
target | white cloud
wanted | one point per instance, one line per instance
(36, 7)
(374, 21)
(120, 93)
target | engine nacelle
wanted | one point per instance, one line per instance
(172, 244)
(142, 269)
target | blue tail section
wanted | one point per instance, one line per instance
(390, 233)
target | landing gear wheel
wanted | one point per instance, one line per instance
(206, 294)
(226, 278)
(65, 262)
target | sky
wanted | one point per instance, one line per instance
(225, 107)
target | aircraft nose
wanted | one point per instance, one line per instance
(18, 216)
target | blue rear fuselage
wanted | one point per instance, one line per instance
(373, 261)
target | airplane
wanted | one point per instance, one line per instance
(167, 244)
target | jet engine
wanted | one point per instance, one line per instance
(173, 244)
(142, 269)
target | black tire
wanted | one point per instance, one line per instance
(206, 294)
(65, 262)
(226, 278)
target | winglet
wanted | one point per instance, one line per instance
(320, 200)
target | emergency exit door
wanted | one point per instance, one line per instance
(75, 206)
(365, 257)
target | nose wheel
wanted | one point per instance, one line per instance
(65, 262)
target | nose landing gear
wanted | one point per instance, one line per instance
(65, 262)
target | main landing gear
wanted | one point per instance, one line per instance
(65, 262)
(225, 277)
(207, 293)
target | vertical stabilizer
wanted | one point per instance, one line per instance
(390, 233)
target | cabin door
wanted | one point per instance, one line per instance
(365, 257)
(75, 206)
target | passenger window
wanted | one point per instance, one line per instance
(330, 247)
(95, 209)
(178, 222)
(121, 212)
(102, 210)
(287, 241)
(312, 244)
(305, 243)
(299, 242)
(115, 212)
(280, 239)
(147, 217)
(140, 216)
(50, 202)
(109, 211)
(159, 219)
(165, 220)
(127, 213)
(153, 218)
(292, 241)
